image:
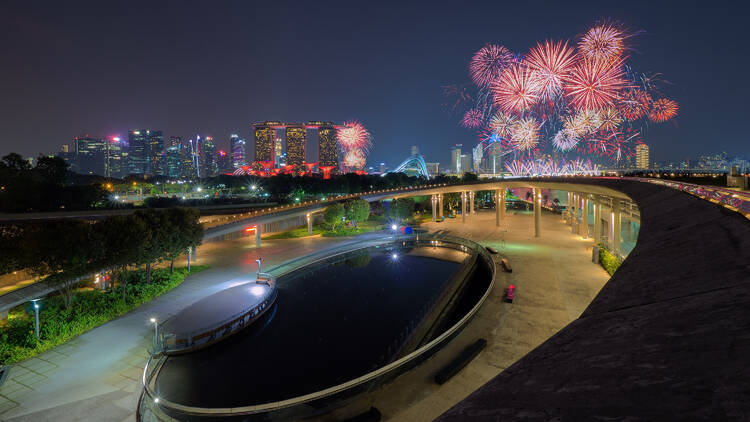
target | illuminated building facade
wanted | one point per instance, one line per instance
(224, 162)
(173, 161)
(154, 152)
(456, 159)
(265, 136)
(296, 140)
(328, 154)
(207, 157)
(279, 156)
(237, 150)
(145, 150)
(642, 159)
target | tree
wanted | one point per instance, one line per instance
(401, 209)
(470, 177)
(153, 248)
(333, 214)
(123, 236)
(357, 210)
(64, 252)
(185, 232)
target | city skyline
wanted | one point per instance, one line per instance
(71, 103)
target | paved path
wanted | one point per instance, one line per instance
(96, 376)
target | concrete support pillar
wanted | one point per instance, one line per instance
(463, 207)
(471, 202)
(257, 236)
(440, 206)
(585, 209)
(499, 206)
(537, 211)
(433, 201)
(309, 223)
(574, 217)
(617, 226)
(597, 219)
(569, 209)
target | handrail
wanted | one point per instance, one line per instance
(735, 200)
(148, 375)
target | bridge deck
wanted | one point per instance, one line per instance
(665, 339)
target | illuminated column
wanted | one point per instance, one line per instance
(471, 202)
(434, 206)
(499, 206)
(597, 218)
(585, 209)
(537, 211)
(616, 218)
(574, 216)
(569, 209)
(309, 223)
(463, 207)
(257, 236)
(440, 206)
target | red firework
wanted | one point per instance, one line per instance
(634, 104)
(662, 110)
(595, 84)
(515, 91)
(473, 118)
(488, 63)
(550, 63)
(602, 42)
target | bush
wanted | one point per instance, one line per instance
(89, 309)
(608, 261)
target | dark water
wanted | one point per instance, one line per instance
(330, 324)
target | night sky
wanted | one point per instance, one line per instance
(71, 68)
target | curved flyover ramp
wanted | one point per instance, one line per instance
(667, 338)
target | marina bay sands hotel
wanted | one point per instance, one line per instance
(296, 143)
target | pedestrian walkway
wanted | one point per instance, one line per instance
(97, 375)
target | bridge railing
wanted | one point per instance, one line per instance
(735, 200)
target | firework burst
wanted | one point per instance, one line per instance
(595, 84)
(501, 124)
(610, 119)
(584, 122)
(550, 63)
(488, 63)
(354, 142)
(473, 118)
(525, 134)
(634, 104)
(515, 90)
(662, 110)
(603, 42)
(565, 139)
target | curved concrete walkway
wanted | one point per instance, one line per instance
(666, 338)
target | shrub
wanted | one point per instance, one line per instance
(89, 309)
(608, 261)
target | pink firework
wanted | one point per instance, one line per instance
(488, 63)
(473, 118)
(565, 139)
(634, 104)
(602, 42)
(550, 64)
(515, 91)
(354, 160)
(353, 135)
(596, 84)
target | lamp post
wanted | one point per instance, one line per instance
(188, 258)
(156, 332)
(36, 317)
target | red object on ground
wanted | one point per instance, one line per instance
(511, 292)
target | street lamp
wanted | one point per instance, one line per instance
(36, 317)
(156, 332)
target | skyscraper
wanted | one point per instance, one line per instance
(327, 149)
(278, 153)
(145, 150)
(465, 164)
(495, 158)
(237, 149)
(207, 157)
(456, 159)
(642, 159)
(265, 135)
(173, 140)
(223, 162)
(114, 157)
(296, 138)
(89, 155)
(173, 161)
